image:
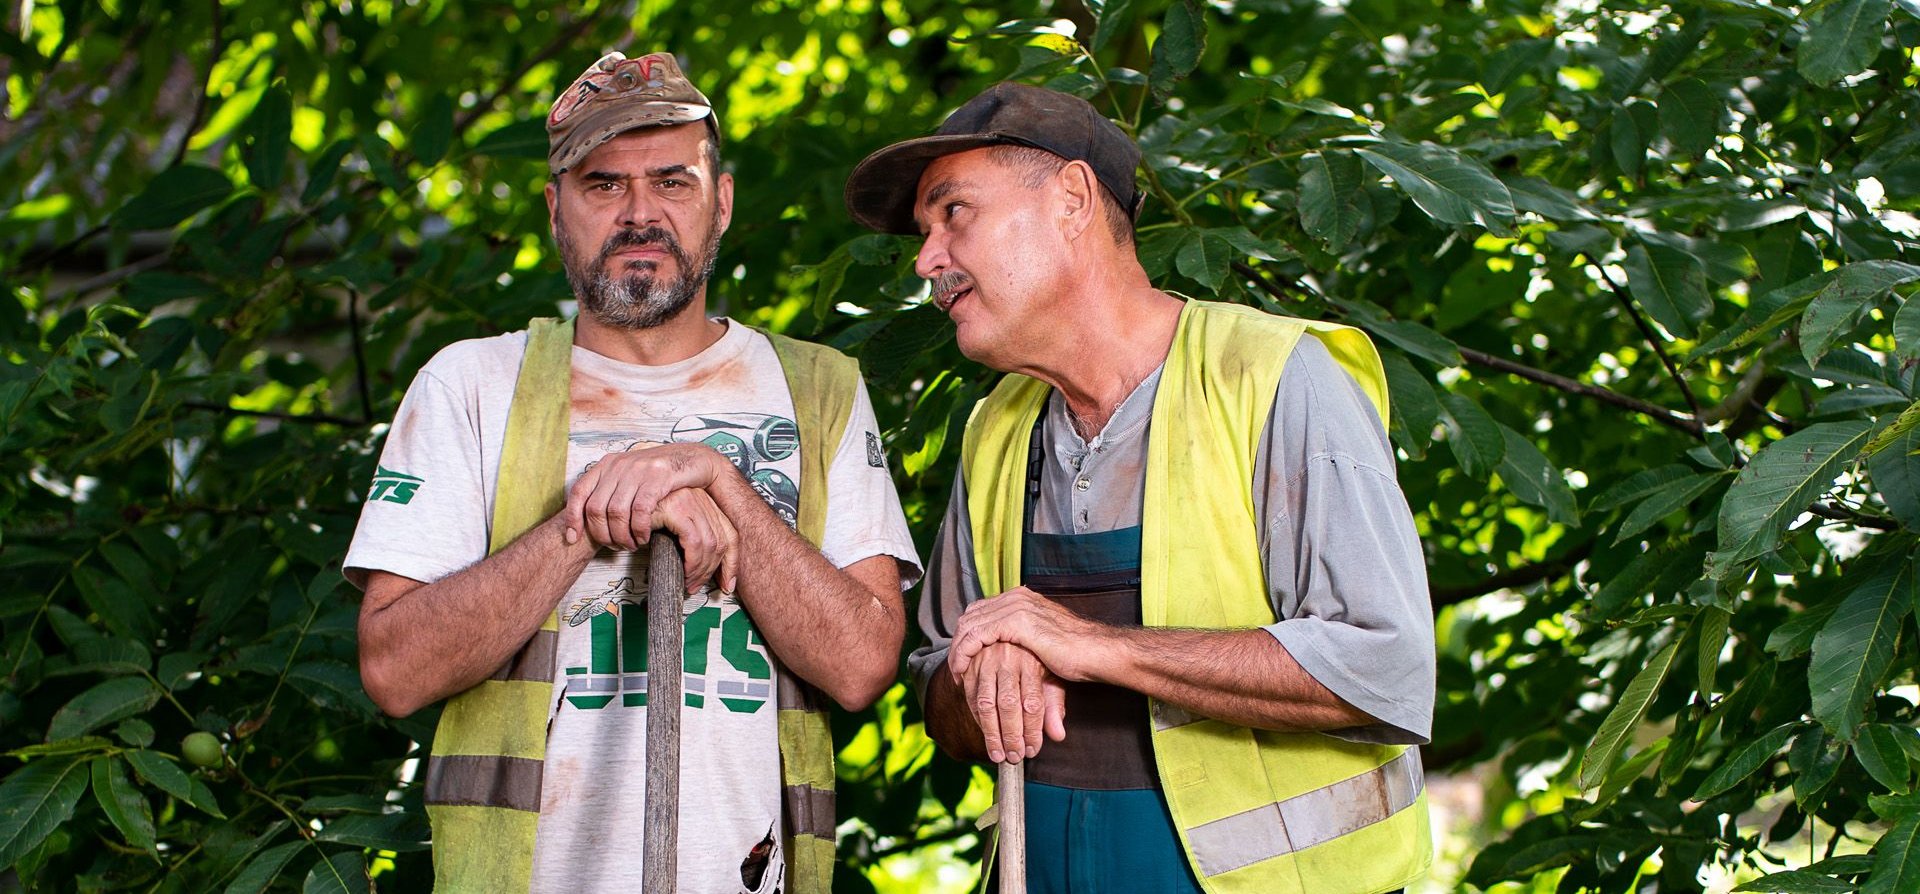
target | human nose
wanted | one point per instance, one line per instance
(933, 255)
(641, 209)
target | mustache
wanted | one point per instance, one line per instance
(948, 282)
(640, 237)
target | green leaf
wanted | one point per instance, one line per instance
(1844, 40)
(1780, 482)
(1624, 718)
(82, 745)
(108, 702)
(1798, 881)
(1834, 308)
(331, 684)
(1879, 751)
(1906, 330)
(1528, 473)
(1691, 115)
(1852, 653)
(1896, 860)
(385, 831)
(1183, 40)
(1547, 200)
(325, 168)
(1475, 439)
(268, 137)
(135, 732)
(1750, 758)
(1713, 624)
(1633, 127)
(522, 139)
(1639, 486)
(1448, 186)
(1671, 285)
(124, 805)
(1204, 258)
(1895, 469)
(1814, 760)
(1111, 18)
(262, 870)
(155, 768)
(1330, 197)
(434, 133)
(175, 195)
(36, 799)
(1664, 503)
(1415, 408)
(341, 873)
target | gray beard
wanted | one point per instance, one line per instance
(636, 298)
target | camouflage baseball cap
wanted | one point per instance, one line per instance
(615, 95)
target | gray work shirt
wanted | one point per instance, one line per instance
(1343, 563)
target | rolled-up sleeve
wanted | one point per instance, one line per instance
(1344, 565)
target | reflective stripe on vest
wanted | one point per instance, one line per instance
(1302, 821)
(483, 780)
(1257, 811)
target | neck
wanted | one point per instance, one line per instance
(686, 334)
(1095, 367)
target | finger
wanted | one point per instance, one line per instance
(1032, 708)
(1007, 700)
(594, 514)
(1056, 710)
(961, 652)
(683, 513)
(729, 554)
(627, 528)
(576, 507)
(986, 713)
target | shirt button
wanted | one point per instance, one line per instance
(1082, 484)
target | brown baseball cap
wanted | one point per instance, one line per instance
(882, 188)
(615, 95)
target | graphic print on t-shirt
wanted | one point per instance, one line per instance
(724, 657)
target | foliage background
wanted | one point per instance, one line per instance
(1642, 274)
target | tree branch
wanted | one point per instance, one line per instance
(310, 418)
(1513, 578)
(1655, 412)
(200, 104)
(957, 830)
(1852, 516)
(1653, 340)
(560, 42)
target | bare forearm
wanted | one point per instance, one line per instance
(835, 631)
(421, 644)
(1243, 677)
(949, 720)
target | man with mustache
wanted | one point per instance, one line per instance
(500, 546)
(1205, 629)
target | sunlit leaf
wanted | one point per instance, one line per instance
(1625, 717)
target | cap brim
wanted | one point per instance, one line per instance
(589, 135)
(882, 188)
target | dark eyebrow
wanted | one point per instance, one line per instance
(669, 170)
(602, 176)
(943, 189)
(939, 191)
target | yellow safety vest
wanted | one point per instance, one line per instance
(483, 781)
(1257, 810)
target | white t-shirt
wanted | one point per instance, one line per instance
(428, 515)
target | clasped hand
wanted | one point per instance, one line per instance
(1009, 655)
(621, 500)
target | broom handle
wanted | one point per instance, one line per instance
(1013, 828)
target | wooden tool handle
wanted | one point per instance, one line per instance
(666, 590)
(1012, 792)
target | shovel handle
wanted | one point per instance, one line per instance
(666, 589)
(1012, 792)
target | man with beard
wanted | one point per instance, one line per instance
(493, 582)
(1183, 588)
